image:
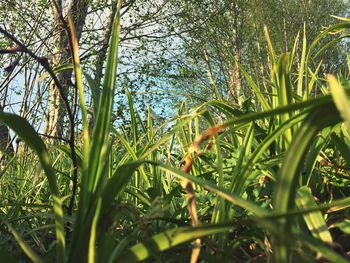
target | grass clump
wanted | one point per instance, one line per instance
(224, 183)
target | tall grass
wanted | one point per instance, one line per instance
(242, 187)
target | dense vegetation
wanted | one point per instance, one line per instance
(257, 174)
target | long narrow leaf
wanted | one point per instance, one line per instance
(315, 220)
(23, 129)
(289, 174)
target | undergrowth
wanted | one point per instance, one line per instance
(223, 183)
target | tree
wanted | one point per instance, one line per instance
(217, 34)
(48, 38)
(78, 10)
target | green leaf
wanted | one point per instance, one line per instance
(95, 92)
(80, 88)
(319, 247)
(132, 153)
(342, 146)
(132, 117)
(321, 101)
(57, 69)
(213, 188)
(169, 239)
(100, 138)
(343, 226)
(94, 177)
(26, 132)
(288, 178)
(318, 118)
(314, 221)
(287, 183)
(302, 69)
(116, 184)
(92, 242)
(34, 257)
(257, 91)
(340, 99)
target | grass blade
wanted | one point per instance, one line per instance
(289, 174)
(302, 69)
(23, 129)
(100, 137)
(34, 257)
(315, 220)
(169, 239)
(213, 188)
(340, 99)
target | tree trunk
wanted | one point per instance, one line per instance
(55, 118)
(235, 83)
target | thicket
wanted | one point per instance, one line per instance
(267, 180)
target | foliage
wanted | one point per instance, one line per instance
(267, 180)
